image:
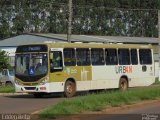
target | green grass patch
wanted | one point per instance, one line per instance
(7, 89)
(97, 102)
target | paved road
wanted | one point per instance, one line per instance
(25, 103)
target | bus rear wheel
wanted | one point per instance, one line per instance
(70, 89)
(123, 84)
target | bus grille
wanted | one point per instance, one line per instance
(30, 88)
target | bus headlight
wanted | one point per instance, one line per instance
(43, 82)
(18, 83)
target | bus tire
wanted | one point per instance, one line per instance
(70, 89)
(123, 84)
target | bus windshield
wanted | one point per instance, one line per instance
(31, 64)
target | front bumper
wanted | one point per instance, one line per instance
(32, 89)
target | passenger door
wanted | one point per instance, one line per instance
(56, 65)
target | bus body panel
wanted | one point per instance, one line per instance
(142, 78)
(103, 78)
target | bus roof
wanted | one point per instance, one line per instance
(96, 45)
(90, 45)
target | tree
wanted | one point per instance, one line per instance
(4, 60)
(96, 17)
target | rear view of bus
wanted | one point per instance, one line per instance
(31, 68)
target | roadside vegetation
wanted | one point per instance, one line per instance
(7, 89)
(4, 60)
(97, 102)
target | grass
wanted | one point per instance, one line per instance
(97, 102)
(7, 89)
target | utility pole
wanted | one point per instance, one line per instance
(69, 32)
(159, 40)
(159, 23)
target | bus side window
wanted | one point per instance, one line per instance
(97, 56)
(145, 56)
(83, 56)
(134, 57)
(69, 57)
(123, 56)
(111, 56)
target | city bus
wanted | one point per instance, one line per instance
(69, 68)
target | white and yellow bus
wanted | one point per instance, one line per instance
(72, 67)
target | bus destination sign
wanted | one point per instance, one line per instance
(34, 48)
(31, 48)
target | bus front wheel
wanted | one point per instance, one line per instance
(123, 84)
(70, 89)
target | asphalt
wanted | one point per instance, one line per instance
(7, 94)
(26, 103)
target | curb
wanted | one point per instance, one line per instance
(4, 94)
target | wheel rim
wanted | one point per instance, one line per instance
(69, 89)
(123, 85)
